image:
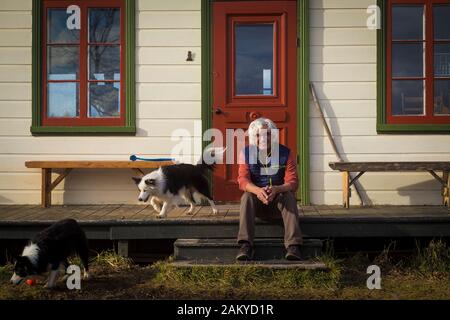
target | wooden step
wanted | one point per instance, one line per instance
(225, 250)
(269, 264)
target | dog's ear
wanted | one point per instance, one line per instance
(136, 180)
(150, 182)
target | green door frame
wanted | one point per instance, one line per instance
(302, 87)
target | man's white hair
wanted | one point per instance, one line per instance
(258, 124)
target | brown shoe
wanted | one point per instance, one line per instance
(293, 253)
(245, 252)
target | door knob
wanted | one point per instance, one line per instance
(218, 111)
(254, 115)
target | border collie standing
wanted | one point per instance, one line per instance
(170, 185)
(49, 249)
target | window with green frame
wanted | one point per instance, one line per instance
(413, 62)
(83, 67)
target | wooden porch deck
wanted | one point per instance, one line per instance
(127, 222)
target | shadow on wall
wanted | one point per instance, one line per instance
(336, 135)
(423, 193)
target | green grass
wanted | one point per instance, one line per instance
(422, 275)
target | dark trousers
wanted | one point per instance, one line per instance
(284, 206)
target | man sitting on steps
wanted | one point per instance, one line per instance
(268, 177)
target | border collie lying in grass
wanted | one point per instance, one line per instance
(49, 249)
(170, 185)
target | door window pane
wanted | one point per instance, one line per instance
(254, 59)
(407, 97)
(441, 22)
(104, 25)
(63, 100)
(104, 99)
(407, 60)
(57, 29)
(442, 97)
(442, 60)
(408, 22)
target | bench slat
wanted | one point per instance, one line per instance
(112, 164)
(391, 166)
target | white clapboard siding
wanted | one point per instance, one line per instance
(169, 110)
(345, 109)
(15, 38)
(168, 55)
(341, 4)
(172, 5)
(346, 90)
(343, 69)
(166, 128)
(172, 74)
(338, 18)
(169, 91)
(167, 102)
(169, 20)
(13, 5)
(380, 181)
(384, 144)
(342, 36)
(16, 162)
(15, 73)
(15, 20)
(87, 145)
(343, 54)
(344, 127)
(15, 109)
(15, 91)
(15, 127)
(15, 56)
(320, 162)
(389, 197)
(343, 72)
(168, 37)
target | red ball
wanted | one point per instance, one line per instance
(31, 282)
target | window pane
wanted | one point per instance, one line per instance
(62, 62)
(104, 25)
(407, 97)
(407, 22)
(407, 60)
(63, 100)
(441, 22)
(442, 97)
(104, 99)
(254, 59)
(57, 30)
(104, 62)
(442, 60)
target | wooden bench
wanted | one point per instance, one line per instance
(67, 166)
(361, 167)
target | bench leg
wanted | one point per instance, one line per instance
(346, 189)
(446, 189)
(46, 191)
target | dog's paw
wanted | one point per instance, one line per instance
(215, 211)
(161, 216)
(189, 213)
(86, 276)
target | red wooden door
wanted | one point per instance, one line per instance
(254, 75)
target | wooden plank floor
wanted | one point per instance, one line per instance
(227, 212)
(140, 222)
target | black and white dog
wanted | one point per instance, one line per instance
(170, 185)
(49, 249)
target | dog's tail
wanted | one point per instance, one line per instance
(210, 157)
